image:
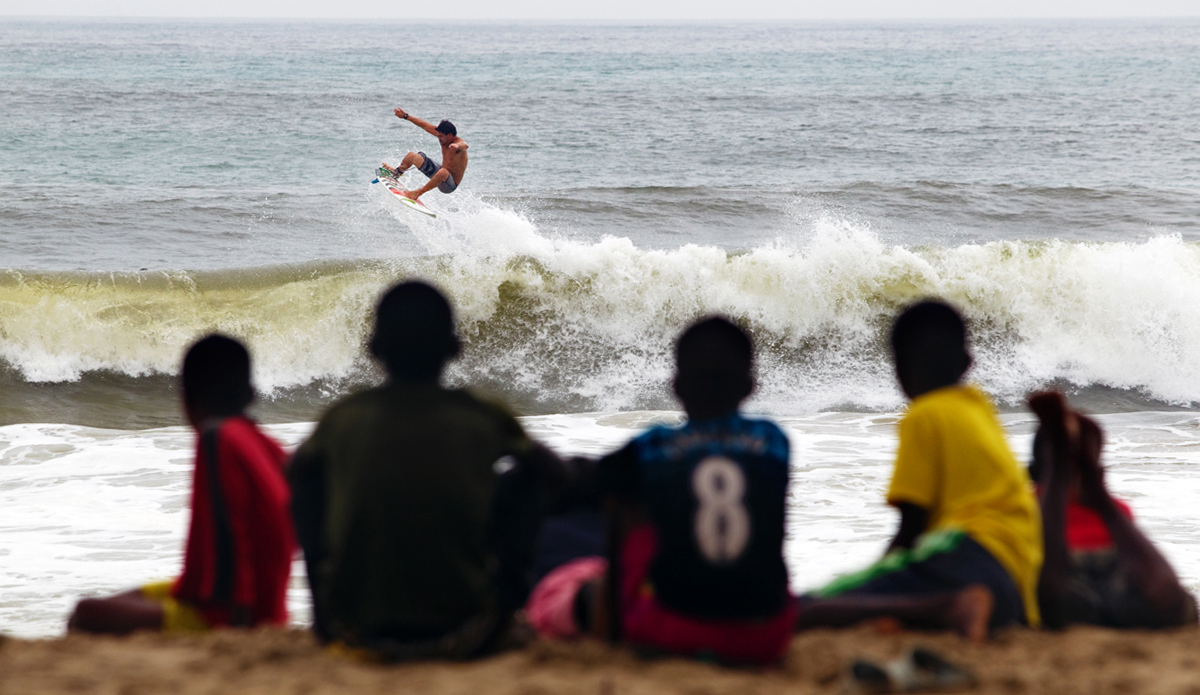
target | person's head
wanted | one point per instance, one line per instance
(714, 363)
(216, 379)
(414, 332)
(446, 131)
(929, 347)
(1064, 437)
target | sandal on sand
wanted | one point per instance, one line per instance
(920, 670)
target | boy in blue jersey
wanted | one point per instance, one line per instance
(696, 561)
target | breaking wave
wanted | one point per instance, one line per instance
(566, 326)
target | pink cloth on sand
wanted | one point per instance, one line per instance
(551, 606)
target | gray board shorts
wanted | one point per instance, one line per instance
(430, 166)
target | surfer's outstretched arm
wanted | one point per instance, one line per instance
(423, 125)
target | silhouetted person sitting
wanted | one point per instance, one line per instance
(1099, 568)
(240, 541)
(968, 550)
(416, 505)
(695, 565)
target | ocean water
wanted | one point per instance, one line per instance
(162, 179)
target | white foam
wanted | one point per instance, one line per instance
(588, 325)
(90, 511)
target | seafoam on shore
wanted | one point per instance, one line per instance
(91, 511)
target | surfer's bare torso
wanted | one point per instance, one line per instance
(454, 157)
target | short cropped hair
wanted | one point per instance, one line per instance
(931, 337)
(414, 331)
(447, 128)
(216, 376)
(716, 359)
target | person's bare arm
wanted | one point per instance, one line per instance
(459, 146)
(914, 520)
(1054, 575)
(423, 125)
(1058, 444)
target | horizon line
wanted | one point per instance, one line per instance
(596, 20)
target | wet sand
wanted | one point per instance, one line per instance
(1080, 660)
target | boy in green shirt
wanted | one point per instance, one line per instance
(969, 547)
(417, 505)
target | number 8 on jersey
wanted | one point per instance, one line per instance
(722, 525)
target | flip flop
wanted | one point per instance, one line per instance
(919, 670)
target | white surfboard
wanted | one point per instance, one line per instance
(396, 194)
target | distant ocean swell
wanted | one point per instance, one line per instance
(561, 326)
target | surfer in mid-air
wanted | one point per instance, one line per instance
(444, 177)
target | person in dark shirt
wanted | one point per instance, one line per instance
(417, 505)
(1099, 567)
(238, 556)
(697, 562)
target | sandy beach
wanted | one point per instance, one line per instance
(275, 662)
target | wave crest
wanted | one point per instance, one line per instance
(563, 326)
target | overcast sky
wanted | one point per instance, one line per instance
(608, 10)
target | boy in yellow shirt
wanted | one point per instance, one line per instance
(969, 547)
